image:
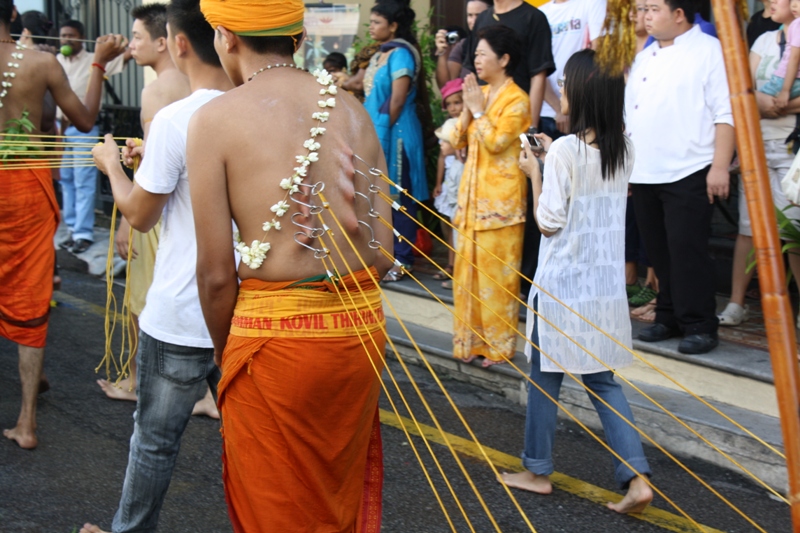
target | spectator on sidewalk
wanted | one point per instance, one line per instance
(761, 22)
(392, 91)
(765, 55)
(642, 297)
(575, 25)
(79, 184)
(450, 57)
(536, 63)
(491, 203)
(678, 113)
(449, 169)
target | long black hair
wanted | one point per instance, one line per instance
(398, 11)
(597, 102)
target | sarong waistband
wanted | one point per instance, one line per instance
(309, 308)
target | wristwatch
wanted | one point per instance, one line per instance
(476, 116)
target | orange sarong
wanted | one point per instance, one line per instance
(299, 404)
(28, 222)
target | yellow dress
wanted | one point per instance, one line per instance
(491, 213)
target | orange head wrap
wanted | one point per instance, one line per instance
(257, 18)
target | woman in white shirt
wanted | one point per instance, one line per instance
(580, 209)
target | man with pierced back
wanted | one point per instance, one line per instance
(28, 210)
(298, 397)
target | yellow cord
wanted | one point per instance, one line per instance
(590, 323)
(129, 339)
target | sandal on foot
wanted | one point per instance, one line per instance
(442, 274)
(733, 315)
(632, 290)
(394, 274)
(642, 297)
(449, 286)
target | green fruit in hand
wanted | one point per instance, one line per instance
(66, 50)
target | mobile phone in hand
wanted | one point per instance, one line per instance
(534, 142)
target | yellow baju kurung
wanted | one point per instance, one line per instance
(491, 213)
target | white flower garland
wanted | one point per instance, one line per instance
(4, 84)
(253, 255)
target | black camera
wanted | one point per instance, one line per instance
(453, 37)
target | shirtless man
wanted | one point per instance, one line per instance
(28, 212)
(149, 49)
(175, 358)
(287, 401)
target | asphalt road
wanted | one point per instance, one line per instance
(76, 473)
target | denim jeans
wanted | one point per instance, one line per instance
(170, 379)
(78, 185)
(542, 413)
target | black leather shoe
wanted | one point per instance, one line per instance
(80, 246)
(698, 344)
(657, 333)
(68, 244)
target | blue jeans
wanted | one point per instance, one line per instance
(542, 414)
(170, 379)
(78, 185)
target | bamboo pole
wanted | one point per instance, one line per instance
(772, 277)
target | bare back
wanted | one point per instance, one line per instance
(169, 87)
(259, 128)
(29, 84)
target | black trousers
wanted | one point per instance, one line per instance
(675, 223)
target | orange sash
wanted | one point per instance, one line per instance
(299, 403)
(28, 222)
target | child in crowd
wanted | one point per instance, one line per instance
(335, 62)
(785, 82)
(449, 170)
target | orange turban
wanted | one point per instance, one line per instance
(256, 18)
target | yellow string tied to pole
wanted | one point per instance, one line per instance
(129, 338)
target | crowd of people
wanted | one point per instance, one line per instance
(560, 180)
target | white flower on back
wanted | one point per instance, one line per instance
(286, 184)
(330, 102)
(312, 145)
(313, 157)
(301, 171)
(317, 131)
(321, 116)
(280, 208)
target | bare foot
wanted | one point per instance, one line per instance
(206, 407)
(488, 362)
(638, 497)
(91, 528)
(123, 391)
(24, 438)
(468, 360)
(527, 481)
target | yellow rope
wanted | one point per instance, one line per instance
(408, 409)
(434, 375)
(590, 323)
(129, 338)
(594, 356)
